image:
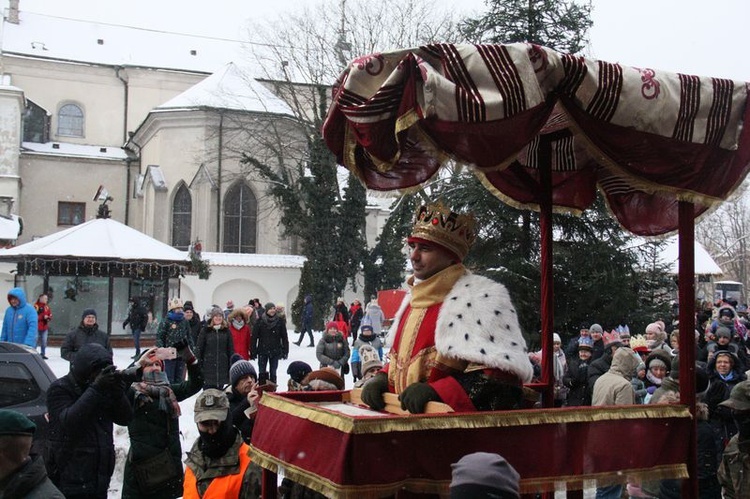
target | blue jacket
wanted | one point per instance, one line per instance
(20, 322)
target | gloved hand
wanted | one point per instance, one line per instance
(651, 389)
(107, 380)
(183, 350)
(373, 390)
(336, 364)
(415, 397)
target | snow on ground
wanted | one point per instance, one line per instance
(188, 428)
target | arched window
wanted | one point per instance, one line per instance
(182, 210)
(240, 219)
(70, 121)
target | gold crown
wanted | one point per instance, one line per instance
(438, 224)
(638, 342)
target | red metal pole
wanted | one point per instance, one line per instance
(547, 288)
(268, 484)
(686, 293)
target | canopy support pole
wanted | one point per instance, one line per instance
(547, 288)
(686, 294)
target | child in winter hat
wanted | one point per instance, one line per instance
(371, 364)
(484, 475)
(297, 371)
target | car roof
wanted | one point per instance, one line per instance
(8, 347)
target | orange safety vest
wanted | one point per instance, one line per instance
(221, 486)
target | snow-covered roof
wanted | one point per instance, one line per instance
(253, 260)
(68, 150)
(9, 227)
(101, 238)
(704, 263)
(52, 37)
(229, 88)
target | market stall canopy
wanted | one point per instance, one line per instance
(648, 139)
(106, 245)
(704, 263)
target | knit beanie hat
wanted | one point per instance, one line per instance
(88, 311)
(188, 306)
(596, 328)
(268, 306)
(297, 370)
(332, 324)
(723, 332)
(483, 474)
(556, 338)
(240, 369)
(369, 358)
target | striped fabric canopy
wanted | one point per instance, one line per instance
(646, 138)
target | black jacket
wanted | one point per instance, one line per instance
(270, 338)
(214, 350)
(80, 336)
(137, 318)
(577, 379)
(80, 448)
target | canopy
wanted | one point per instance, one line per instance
(101, 246)
(648, 139)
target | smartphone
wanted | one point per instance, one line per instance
(166, 353)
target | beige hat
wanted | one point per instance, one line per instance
(212, 404)
(175, 303)
(369, 358)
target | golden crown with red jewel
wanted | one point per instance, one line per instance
(436, 223)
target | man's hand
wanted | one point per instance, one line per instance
(253, 396)
(373, 390)
(415, 397)
(183, 350)
(107, 380)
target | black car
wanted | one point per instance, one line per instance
(24, 380)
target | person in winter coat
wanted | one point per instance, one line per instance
(155, 427)
(20, 321)
(193, 319)
(87, 332)
(371, 364)
(240, 330)
(270, 343)
(83, 405)
(218, 465)
(724, 374)
(297, 371)
(576, 378)
(174, 329)
(614, 388)
(366, 337)
(138, 321)
(341, 315)
(44, 317)
(601, 365)
(214, 350)
(355, 318)
(243, 395)
(307, 320)
(22, 475)
(333, 349)
(734, 471)
(374, 316)
(658, 366)
(656, 336)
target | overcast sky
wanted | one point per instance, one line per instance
(704, 37)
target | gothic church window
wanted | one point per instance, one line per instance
(240, 219)
(182, 211)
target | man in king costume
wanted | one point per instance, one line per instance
(456, 337)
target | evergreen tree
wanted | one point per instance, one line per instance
(558, 24)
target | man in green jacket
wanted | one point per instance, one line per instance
(734, 471)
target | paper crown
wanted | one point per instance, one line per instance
(438, 224)
(638, 343)
(610, 338)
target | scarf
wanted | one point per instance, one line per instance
(653, 379)
(175, 316)
(728, 377)
(155, 386)
(238, 323)
(216, 445)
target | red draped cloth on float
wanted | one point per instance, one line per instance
(648, 139)
(345, 456)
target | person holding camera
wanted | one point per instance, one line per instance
(83, 405)
(173, 329)
(153, 468)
